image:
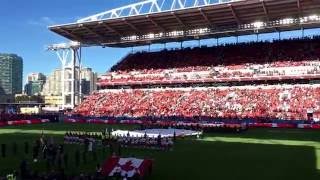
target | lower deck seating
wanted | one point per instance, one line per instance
(285, 102)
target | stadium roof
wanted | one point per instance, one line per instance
(160, 21)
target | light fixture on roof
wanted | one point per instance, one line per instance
(151, 35)
(176, 33)
(313, 17)
(258, 24)
(203, 30)
(134, 37)
(287, 21)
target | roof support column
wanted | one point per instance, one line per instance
(235, 16)
(265, 10)
(299, 7)
(178, 19)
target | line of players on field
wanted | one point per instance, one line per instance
(91, 140)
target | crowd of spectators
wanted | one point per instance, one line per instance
(287, 102)
(298, 57)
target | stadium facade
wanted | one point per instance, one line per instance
(259, 81)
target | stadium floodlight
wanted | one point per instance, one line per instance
(151, 36)
(313, 17)
(203, 30)
(286, 21)
(258, 24)
(310, 18)
(133, 37)
(176, 33)
(304, 19)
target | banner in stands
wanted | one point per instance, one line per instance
(24, 122)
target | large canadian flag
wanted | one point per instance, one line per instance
(127, 167)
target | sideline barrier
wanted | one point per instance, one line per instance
(179, 123)
(24, 122)
(98, 121)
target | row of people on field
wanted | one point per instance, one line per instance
(164, 143)
(91, 140)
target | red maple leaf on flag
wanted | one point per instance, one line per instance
(127, 166)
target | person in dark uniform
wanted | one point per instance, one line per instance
(84, 157)
(23, 169)
(26, 147)
(35, 153)
(77, 158)
(3, 150)
(65, 160)
(14, 148)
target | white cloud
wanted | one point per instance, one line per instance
(42, 21)
(47, 20)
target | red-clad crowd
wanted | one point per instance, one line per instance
(268, 101)
(241, 62)
(258, 61)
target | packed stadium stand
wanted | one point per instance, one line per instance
(286, 59)
(266, 84)
(277, 101)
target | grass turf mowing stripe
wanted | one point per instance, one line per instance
(314, 144)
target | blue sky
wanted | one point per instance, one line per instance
(23, 31)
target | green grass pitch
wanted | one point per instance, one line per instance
(264, 154)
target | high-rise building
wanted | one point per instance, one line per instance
(53, 84)
(32, 77)
(35, 84)
(54, 87)
(11, 69)
(89, 81)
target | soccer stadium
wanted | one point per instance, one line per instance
(240, 110)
